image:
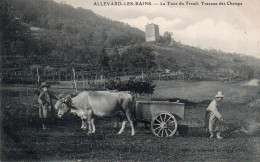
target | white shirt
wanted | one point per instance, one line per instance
(213, 107)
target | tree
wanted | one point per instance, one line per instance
(166, 38)
(138, 57)
(102, 59)
(16, 39)
(115, 62)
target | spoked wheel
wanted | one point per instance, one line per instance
(164, 125)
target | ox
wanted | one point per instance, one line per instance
(101, 104)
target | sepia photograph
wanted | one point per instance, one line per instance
(129, 80)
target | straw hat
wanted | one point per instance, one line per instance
(44, 84)
(219, 95)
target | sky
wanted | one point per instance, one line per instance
(229, 28)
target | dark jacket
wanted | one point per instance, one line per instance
(46, 108)
(46, 97)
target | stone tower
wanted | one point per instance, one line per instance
(152, 32)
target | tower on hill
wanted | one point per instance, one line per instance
(152, 32)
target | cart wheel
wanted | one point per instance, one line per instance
(164, 125)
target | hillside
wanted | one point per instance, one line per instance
(57, 37)
(59, 30)
(187, 58)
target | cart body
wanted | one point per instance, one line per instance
(147, 110)
(165, 117)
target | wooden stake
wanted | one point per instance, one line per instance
(142, 75)
(74, 78)
(83, 80)
(38, 76)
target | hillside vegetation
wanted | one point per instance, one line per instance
(55, 37)
(61, 30)
(194, 60)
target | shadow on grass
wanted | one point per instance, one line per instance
(201, 132)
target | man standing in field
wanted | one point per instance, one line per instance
(46, 108)
(213, 117)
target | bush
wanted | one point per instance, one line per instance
(136, 86)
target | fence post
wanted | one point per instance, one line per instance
(96, 79)
(38, 76)
(74, 77)
(83, 80)
(66, 74)
(142, 75)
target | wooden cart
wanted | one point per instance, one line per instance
(165, 117)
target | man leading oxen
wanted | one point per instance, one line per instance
(99, 103)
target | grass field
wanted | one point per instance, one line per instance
(23, 139)
(205, 90)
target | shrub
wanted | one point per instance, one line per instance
(136, 86)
